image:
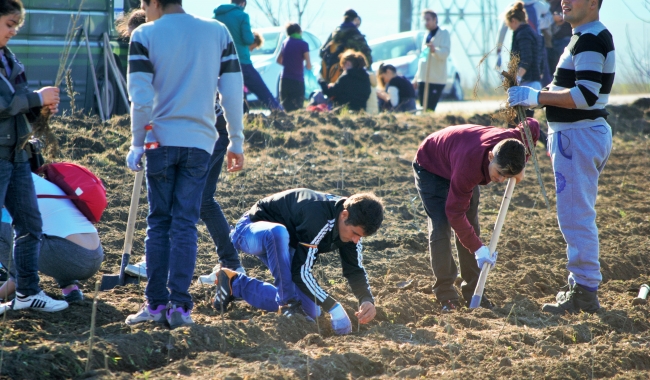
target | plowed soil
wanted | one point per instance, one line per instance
(410, 337)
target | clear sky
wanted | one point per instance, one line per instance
(381, 17)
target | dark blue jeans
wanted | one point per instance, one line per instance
(19, 197)
(269, 242)
(175, 180)
(211, 212)
(253, 81)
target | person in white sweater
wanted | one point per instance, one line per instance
(432, 68)
(177, 64)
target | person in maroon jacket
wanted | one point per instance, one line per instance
(448, 167)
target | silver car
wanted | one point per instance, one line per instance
(402, 50)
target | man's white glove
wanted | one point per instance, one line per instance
(523, 96)
(134, 158)
(483, 256)
(340, 320)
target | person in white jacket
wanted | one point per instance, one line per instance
(432, 67)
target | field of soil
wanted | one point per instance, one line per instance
(410, 337)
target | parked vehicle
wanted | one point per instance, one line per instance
(403, 50)
(42, 39)
(264, 59)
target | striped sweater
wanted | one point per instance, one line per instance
(311, 221)
(587, 68)
(176, 66)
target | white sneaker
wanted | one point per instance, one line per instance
(4, 307)
(40, 302)
(137, 270)
(210, 279)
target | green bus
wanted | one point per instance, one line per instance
(42, 39)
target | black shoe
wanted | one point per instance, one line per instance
(293, 308)
(74, 296)
(485, 303)
(573, 300)
(450, 305)
(224, 296)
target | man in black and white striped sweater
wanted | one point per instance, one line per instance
(580, 142)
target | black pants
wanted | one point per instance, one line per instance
(433, 191)
(435, 92)
(292, 94)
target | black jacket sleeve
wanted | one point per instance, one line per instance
(526, 45)
(353, 271)
(309, 234)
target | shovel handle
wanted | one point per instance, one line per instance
(505, 203)
(133, 212)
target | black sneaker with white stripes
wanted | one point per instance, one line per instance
(292, 309)
(40, 302)
(223, 295)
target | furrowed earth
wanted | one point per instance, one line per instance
(410, 337)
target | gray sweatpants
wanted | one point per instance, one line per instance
(59, 258)
(579, 156)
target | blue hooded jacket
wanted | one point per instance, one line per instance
(239, 25)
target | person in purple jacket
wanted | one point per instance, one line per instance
(292, 81)
(449, 166)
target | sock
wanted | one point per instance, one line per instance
(69, 289)
(590, 289)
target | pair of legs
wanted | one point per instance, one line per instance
(433, 191)
(175, 180)
(58, 258)
(255, 84)
(435, 92)
(292, 94)
(269, 242)
(579, 156)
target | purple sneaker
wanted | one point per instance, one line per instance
(147, 314)
(178, 316)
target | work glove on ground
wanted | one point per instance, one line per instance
(134, 158)
(340, 320)
(523, 96)
(483, 256)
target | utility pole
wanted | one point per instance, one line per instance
(405, 15)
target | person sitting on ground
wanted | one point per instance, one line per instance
(287, 231)
(70, 248)
(126, 24)
(352, 89)
(258, 41)
(449, 167)
(398, 94)
(292, 81)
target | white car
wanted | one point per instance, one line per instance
(264, 59)
(402, 50)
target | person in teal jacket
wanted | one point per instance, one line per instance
(239, 25)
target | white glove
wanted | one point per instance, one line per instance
(483, 256)
(523, 96)
(340, 320)
(134, 158)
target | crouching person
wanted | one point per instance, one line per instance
(287, 231)
(449, 166)
(70, 248)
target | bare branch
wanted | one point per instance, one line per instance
(266, 7)
(646, 5)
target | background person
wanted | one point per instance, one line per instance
(398, 94)
(294, 52)
(352, 89)
(70, 248)
(438, 45)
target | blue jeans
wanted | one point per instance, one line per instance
(211, 212)
(253, 81)
(175, 180)
(19, 197)
(579, 156)
(270, 243)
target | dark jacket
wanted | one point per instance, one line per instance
(311, 219)
(528, 45)
(239, 25)
(18, 107)
(460, 155)
(347, 36)
(351, 89)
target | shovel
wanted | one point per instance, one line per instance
(110, 281)
(480, 287)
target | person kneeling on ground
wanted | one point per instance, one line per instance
(449, 167)
(352, 89)
(287, 231)
(70, 248)
(398, 94)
